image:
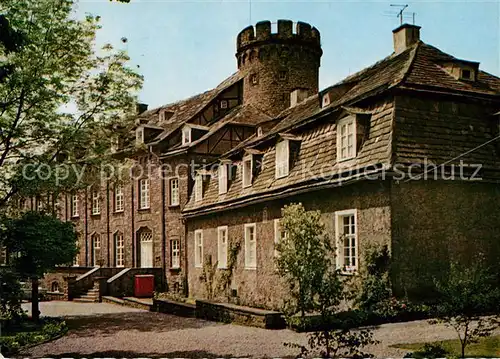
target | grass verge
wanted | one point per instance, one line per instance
(488, 347)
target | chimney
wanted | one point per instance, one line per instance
(297, 96)
(405, 36)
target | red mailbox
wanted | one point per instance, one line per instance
(144, 285)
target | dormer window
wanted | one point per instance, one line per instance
(259, 131)
(161, 116)
(186, 135)
(247, 171)
(222, 176)
(346, 138)
(325, 100)
(223, 104)
(282, 159)
(466, 74)
(139, 135)
(198, 188)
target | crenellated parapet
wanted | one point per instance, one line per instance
(304, 34)
(278, 62)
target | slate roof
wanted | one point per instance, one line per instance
(419, 67)
(185, 110)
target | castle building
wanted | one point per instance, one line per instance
(379, 154)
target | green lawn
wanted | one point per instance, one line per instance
(486, 348)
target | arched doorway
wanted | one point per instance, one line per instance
(145, 248)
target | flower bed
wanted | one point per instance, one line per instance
(29, 333)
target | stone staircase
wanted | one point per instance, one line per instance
(92, 296)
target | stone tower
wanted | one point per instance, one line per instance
(275, 64)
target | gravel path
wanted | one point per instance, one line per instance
(107, 330)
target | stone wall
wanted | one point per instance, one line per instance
(262, 287)
(437, 222)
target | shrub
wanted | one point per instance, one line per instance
(431, 351)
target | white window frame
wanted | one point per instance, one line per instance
(198, 188)
(224, 104)
(139, 135)
(119, 198)
(282, 159)
(175, 253)
(279, 234)
(74, 202)
(339, 233)
(174, 191)
(346, 150)
(198, 248)
(249, 243)
(119, 249)
(246, 178)
(222, 247)
(144, 198)
(222, 177)
(186, 135)
(96, 207)
(326, 100)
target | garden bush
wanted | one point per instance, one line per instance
(430, 351)
(49, 328)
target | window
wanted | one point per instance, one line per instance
(347, 241)
(198, 188)
(174, 192)
(346, 139)
(161, 116)
(466, 74)
(198, 248)
(175, 253)
(95, 203)
(119, 250)
(144, 194)
(39, 204)
(223, 178)
(139, 135)
(96, 246)
(282, 159)
(279, 234)
(76, 260)
(223, 104)
(54, 287)
(186, 135)
(250, 246)
(282, 75)
(254, 80)
(74, 205)
(326, 100)
(259, 131)
(222, 247)
(247, 171)
(119, 198)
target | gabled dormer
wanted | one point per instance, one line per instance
(251, 165)
(352, 128)
(146, 133)
(462, 69)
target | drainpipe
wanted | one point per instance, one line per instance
(85, 218)
(163, 229)
(185, 284)
(107, 223)
(133, 225)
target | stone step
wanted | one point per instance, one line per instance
(83, 300)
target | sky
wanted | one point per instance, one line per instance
(186, 47)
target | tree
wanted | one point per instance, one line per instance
(38, 243)
(59, 97)
(465, 297)
(306, 262)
